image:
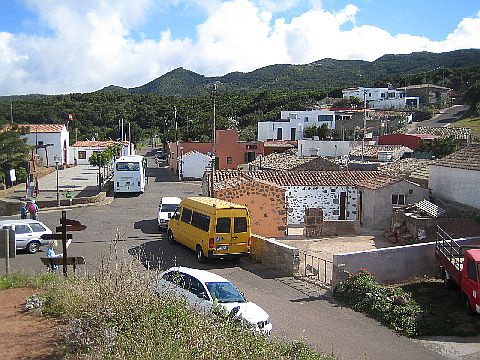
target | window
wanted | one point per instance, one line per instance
(229, 159)
(324, 118)
(471, 270)
(223, 225)
(251, 146)
(82, 155)
(186, 215)
(398, 199)
(195, 287)
(176, 214)
(293, 133)
(239, 225)
(249, 156)
(40, 142)
(128, 166)
(22, 229)
(173, 276)
(37, 227)
(200, 221)
(306, 118)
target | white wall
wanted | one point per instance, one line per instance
(326, 197)
(194, 164)
(89, 152)
(454, 184)
(57, 139)
(308, 147)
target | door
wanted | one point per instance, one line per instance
(470, 282)
(293, 132)
(223, 231)
(279, 134)
(23, 235)
(343, 206)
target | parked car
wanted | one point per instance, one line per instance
(27, 233)
(160, 155)
(202, 289)
(167, 206)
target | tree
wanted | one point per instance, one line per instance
(13, 151)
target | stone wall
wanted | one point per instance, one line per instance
(316, 226)
(266, 205)
(275, 255)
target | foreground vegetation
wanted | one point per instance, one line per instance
(472, 123)
(115, 314)
(418, 308)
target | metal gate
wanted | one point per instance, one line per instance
(316, 268)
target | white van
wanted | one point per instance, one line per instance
(167, 206)
(27, 233)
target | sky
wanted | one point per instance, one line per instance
(69, 46)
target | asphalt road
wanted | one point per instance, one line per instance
(298, 310)
(448, 116)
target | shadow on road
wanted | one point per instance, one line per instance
(149, 226)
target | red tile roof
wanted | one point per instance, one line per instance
(43, 128)
(98, 143)
(369, 179)
(467, 158)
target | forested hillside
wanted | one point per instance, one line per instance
(241, 99)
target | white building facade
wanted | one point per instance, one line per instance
(82, 150)
(192, 165)
(52, 142)
(382, 98)
(292, 124)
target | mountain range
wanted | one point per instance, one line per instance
(322, 74)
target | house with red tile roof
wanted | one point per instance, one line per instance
(52, 142)
(82, 150)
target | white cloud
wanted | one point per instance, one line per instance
(91, 44)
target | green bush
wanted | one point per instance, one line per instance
(391, 306)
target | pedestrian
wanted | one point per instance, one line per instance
(23, 211)
(33, 209)
(51, 254)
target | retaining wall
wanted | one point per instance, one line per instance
(275, 255)
(393, 264)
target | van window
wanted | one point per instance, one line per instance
(239, 225)
(200, 221)
(223, 225)
(186, 215)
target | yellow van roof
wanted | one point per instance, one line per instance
(217, 203)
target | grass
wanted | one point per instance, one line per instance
(472, 123)
(115, 314)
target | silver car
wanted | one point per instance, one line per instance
(27, 233)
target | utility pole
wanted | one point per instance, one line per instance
(364, 120)
(11, 112)
(176, 137)
(214, 92)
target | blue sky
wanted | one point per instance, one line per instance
(62, 46)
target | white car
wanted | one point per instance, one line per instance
(27, 233)
(167, 206)
(201, 288)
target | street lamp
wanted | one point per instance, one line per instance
(99, 160)
(57, 161)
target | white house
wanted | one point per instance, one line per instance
(382, 98)
(192, 164)
(293, 123)
(52, 142)
(82, 150)
(456, 177)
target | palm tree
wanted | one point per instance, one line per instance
(13, 150)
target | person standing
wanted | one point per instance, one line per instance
(33, 209)
(23, 211)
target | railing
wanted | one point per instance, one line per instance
(449, 248)
(312, 266)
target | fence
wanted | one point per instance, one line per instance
(315, 267)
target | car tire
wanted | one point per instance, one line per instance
(199, 254)
(468, 306)
(33, 247)
(171, 238)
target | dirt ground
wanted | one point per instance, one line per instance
(25, 335)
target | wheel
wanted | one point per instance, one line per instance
(33, 247)
(199, 254)
(170, 237)
(447, 281)
(468, 306)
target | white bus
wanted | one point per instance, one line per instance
(130, 174)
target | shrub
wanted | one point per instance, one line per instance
(391, 306)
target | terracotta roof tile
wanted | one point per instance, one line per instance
(371, 151)
(467, 158)
(98, 143)
(458, 133)
(44, 128)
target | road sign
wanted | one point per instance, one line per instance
(56, 236)
(70, 222)
(78, 227)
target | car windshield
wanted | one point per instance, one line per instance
(169, 207)
(224, 292)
